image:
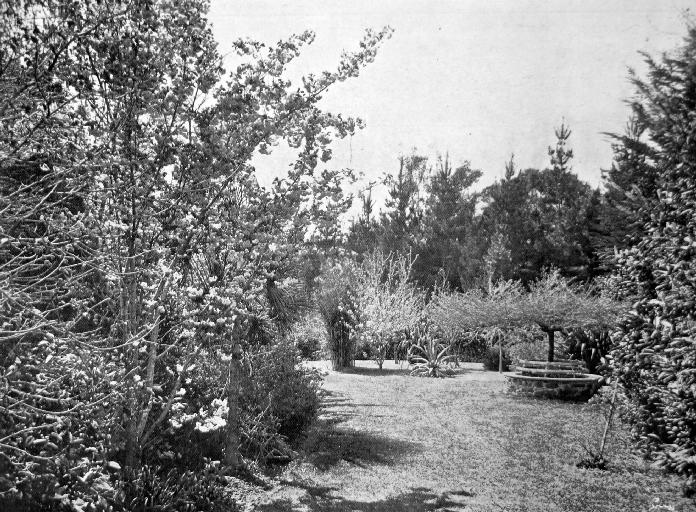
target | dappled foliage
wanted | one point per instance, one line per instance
(389, 303)
(552, 303)
(655, 358)
(136, 244)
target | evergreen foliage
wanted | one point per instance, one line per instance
(655, 359)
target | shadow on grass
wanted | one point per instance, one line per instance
(334, 399)
(374, 371)
(329, 445)
(417, 499)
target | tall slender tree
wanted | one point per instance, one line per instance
(448, 222)
(404, 205)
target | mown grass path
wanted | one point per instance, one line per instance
(389, 442)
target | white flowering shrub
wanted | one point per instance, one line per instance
(388, 302)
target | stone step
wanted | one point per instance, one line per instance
(556, 365)
(553, 387)
(538, 372)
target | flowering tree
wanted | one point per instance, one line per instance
(140, 237)
(388, 302)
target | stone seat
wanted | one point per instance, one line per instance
(536, 372)
(564, 380)
(555, 365)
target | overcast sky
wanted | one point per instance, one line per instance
(480, 79)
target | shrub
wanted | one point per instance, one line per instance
(470, 346)
(654, 356)
(153, 490)
(491, 361)
(529, 350)
(428, 355)
(364, 350)
(526, 343)
(309, 348)
(309, 336)
(279, 398)
(337, 306)
(277, 381)
(589, 346)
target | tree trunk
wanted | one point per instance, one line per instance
(132, 457)
(551, 332)
(233, 458)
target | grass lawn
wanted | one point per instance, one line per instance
(386, 441)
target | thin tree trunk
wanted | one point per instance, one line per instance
(129, 300)
(233, 458)
(607, 425)
(551, 332)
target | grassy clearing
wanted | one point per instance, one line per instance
(390, 442)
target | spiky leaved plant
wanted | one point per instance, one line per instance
(428, 355)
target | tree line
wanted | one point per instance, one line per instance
(530, 221)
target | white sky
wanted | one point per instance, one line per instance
(480, 79)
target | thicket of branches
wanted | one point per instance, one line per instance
(136, 245)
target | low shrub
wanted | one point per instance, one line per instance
(536, 350)
(277, 382)
(364, 350)
(152, 489)
(429, 356)
(309, 348)
(309, 336)
(470, 347)
(589, 346)
(279, 398)
(491, 361)
(526, 344)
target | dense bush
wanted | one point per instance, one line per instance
(526, 343)
(290, 391)
(279, 399)
(470, 347)
(152, 489)
(309, 336)
(491, 361)
(309, 347)
(534, 349)
(336, 298)
(655, 355)
(589, 346)
(364, 350)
